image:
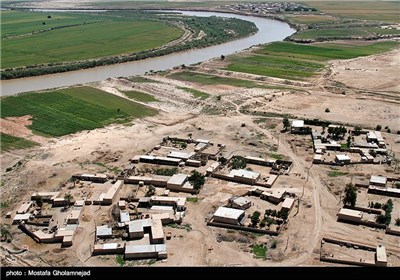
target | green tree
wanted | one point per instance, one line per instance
(5, 231)
(350, 195)
(286, 123)
(39, 201)
(68, 198)
(197, 179)
(378, 127)
(255, 218)
(239, 162)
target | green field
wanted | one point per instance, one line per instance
(196, 93)
(206, 79)
(369, 10)
(336, 33)
(109, 35)
(298, 61)
(140, 96)
(66, 111)
(139, 79)
(9, 142)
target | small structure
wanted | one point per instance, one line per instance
(124, 217)
(288, 204)
(228, 215)
(122, 204)
(158, 251)
(317, 158)
(271, 180)
(241, 203)
(24, 208)
(179, 183)
(381, 258)
(350, 215)
(379, 181)
(112, 192)
(137, 229)
(342, 159)
(21, 218)
(274, 196)
(103, 232)
(99, 178)
(108, 248)
(160, 160)
(213, 168)
(297, 127)
(244, 176)
(180, 155)
(74, 215)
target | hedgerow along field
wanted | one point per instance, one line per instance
(298, 61)
(71, 37)
(9, 142)
(66, 111)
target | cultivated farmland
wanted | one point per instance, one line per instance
(61, 112)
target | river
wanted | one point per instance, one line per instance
(268, 31)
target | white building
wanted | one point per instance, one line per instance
(228, 215)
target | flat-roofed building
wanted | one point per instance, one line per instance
(96, 177)
(112, 192)
(350, 215)
(342, 159)
(138, 228)
(381, 257)
(241, 203)
(200, 147)
(103, 232)
(166, 218)
(160, 160)
(146, 251)
(108, 248)
(271, 180)
(259, 161)
(124, 217)
(175, 202)
(193, 162)
(297, 126)
(176, 182)
(288, 204)
(21, 218)
(379, 181)
(24, 208)
(46, 196)
(274, 196)
(156, 232)
(180, 155)
(228, 215)
(213, 168)
(206, 141)
(122, 204)
(74, 216)
(317, 158)
(244, 176)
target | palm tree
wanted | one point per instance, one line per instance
(68, 197)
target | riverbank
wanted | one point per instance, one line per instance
(197, 34)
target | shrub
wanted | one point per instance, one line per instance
(327, 110)
(378, 127)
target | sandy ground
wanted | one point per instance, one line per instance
(52, 163)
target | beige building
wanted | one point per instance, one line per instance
(228, 215)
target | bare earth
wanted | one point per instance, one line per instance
(371, 91)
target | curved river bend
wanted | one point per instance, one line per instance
(269, 31)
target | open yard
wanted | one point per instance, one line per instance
(61, 112)
(77, 37)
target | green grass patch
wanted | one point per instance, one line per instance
(195, 92)
(336, 173)
(139, 79)
(276, 156)
(9, 142)
(140, 96)
(3, 205)
(275, 66)
(120, 260)
(206, 79)
(259, 251)
(332, 33)
(370, 10)
(289, 60)
(311, 19)
(109, 35)
(192, 199)
(66, 111)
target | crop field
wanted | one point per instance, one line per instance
(299, 61)
(140, 96)
(66, 111)
(9, 142)
(101, 36)
(387, 11)
(206, 79)
(309, 19)
(343, 32)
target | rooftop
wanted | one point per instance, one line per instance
(124, 217)
(342, 157)
(244, 173)
(378, 180)
(241, 201)
(181, 155)
(230, 213)
(351, 213)
(178, 179)
(103, 231)
(297, 123)
(381, 253)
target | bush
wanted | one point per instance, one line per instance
(239, 162)
(398, 222)
(197, 179)
(350, 195)
(327, 110)
(243, 125)
(218, 97)
(255, 218)
(378, 127)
